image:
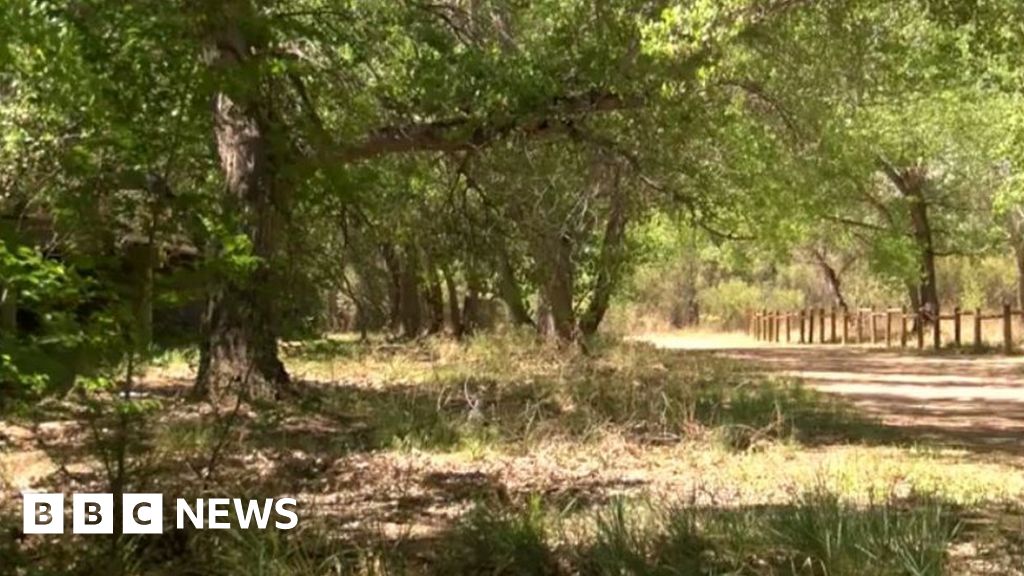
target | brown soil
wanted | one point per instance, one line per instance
(975, 401)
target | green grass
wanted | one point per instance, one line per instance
(494, 541)
(504, 391)
(819, 534)
(503, 409)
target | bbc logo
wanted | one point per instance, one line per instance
(144, 513)
(92, 513)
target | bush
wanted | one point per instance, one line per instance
(730, 302)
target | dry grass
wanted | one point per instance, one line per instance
(390, 445)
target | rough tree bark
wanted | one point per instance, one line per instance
(240, 346)
(558, 287)
(411, 311)
(911, 182)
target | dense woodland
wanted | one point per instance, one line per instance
(235, 178)
(230, 174)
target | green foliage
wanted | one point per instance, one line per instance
(829, 536)
(532, 393)
(817, 534)
(70, 335)
(732, 301)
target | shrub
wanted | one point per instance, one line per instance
(731, 301)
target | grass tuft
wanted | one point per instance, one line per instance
(502, 543)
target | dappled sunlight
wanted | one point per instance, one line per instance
(974, 401)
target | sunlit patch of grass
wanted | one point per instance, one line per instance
(184, 437)
(512, 390)
(869, 473)
(174, 363)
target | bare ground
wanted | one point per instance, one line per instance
(974, 405)
(975, 402)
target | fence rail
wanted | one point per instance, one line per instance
(888, 326)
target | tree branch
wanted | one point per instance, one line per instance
(467, 133)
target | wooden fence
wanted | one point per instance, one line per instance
(890, 326)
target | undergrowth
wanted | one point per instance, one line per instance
(512, 390)
(510, 393)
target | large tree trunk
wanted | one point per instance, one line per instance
(409, 293)
(558, 286)
(911, 184)
(610, 260)
(926, 250)
(240, 349)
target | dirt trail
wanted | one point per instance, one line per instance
(973, 401)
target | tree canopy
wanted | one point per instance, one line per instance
(231, 173)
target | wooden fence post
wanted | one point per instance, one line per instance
(803, 339)
(888, 327)
(810, 325)
(789, 333)
(778, 325)
(860, 326)
(977, 330)
(846, 324)
(821, 325)
(832, 331)
(903, 326)
(1007, 329)
(920, 328)
(956, 326)
(937, 330)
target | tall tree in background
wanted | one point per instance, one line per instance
(240, 344)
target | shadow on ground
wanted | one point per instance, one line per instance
(972, 402)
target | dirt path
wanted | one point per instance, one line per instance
(974, 401)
